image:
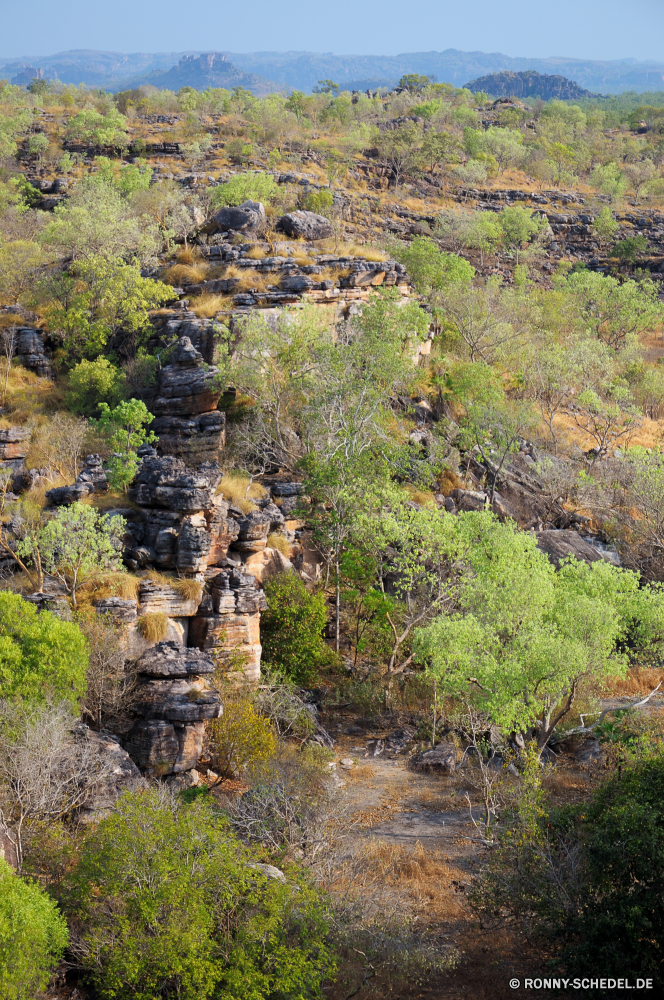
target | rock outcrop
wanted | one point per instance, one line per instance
(14, 446)
(173, 702)
(187, 421)
(92, 479)
(30, 351)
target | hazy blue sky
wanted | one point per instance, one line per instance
(591, 29)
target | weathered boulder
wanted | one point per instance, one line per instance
(559, 544)
(124, 776)
(249, 217)
(178, 700)
(30, 351)
(254, 529)
(296, 283)
(269, 562)
(156, 598)
(160, 747)
(306, 225)
(440, 760)
(167, 482)
(167, 659)
(91, 480)
(186, 386)
(193, 438)
(14, 446)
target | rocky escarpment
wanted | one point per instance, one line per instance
(14, 446)
(187, 421)
(173, 702)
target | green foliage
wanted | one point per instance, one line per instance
(128, 179)
(11, 127)
(89, 126)
(605, 226)
(319, 201)
(33, 936)
(78, 542)
(617, 927)
(523, 636)
(414, 81)
(99, 299)
(616, 312)
(519, 225)
(91, 383)
(291, 629)
(244, 187)
(169, 903)
(432, 269)
(125, 427)
(631, 248)
(241, 738)
(41, 656)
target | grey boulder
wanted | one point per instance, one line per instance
(244, 218)
(307, 225)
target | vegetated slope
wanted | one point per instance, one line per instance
(529, 84)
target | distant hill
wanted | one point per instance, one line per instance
(211, 69)
(529, 84)
(302, 70)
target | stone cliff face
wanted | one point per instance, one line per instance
(187, 421)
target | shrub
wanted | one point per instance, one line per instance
(41, 656)
(33, 935)
(241, 737)
(319, 201)
(291, 628)
(168, 903)
(244, 187)
(153, 626)
(432, 269)
(91, 383)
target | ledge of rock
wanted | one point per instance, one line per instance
(559, 544)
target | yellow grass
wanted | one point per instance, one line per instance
(247, 279)
(207, 306)
(110, 501)
(153, 627)
(639, 681)
(189, 255)
(256, 253)
(280, 542)
(189, 590)
(185, 274)
(423, 497)
(104, 585)
(235, 487)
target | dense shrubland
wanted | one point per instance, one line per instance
(382, 414)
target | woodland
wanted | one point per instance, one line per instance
(331, 542)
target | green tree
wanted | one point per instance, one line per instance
(438, 147)
(96, 221)
(41, 656)
(496, 429)
(605, 226)
(524, 637)
(168, 902)
(11, 127)
(20, 264)
(96, 129)
(92, 383)
(519, 225)
(33, 936)
(631, 248)
(399, 147)
(610, 180)
(79, 542)
(99, 300)
(125, 427)
(430, 268)
(292, 629)
(504, 145)
(414, 82)
(38, 145)
(615, 312)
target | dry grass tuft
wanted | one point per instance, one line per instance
(280, 542)
(207, 306)
(236, 488)
(248, 278)
(422, 497)
(448, 481)
(639, 681)
(122, 585)
(256, 253)
(188, 255)
(153, 627)
(185, 274)
(189, 590)
(111, 501)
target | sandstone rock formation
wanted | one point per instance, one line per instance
(173, 702)
(14, 446)
(187, 421)
(92, 479)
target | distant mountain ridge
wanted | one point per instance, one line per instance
(302, 70)
(529, 84)
(211, 69)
